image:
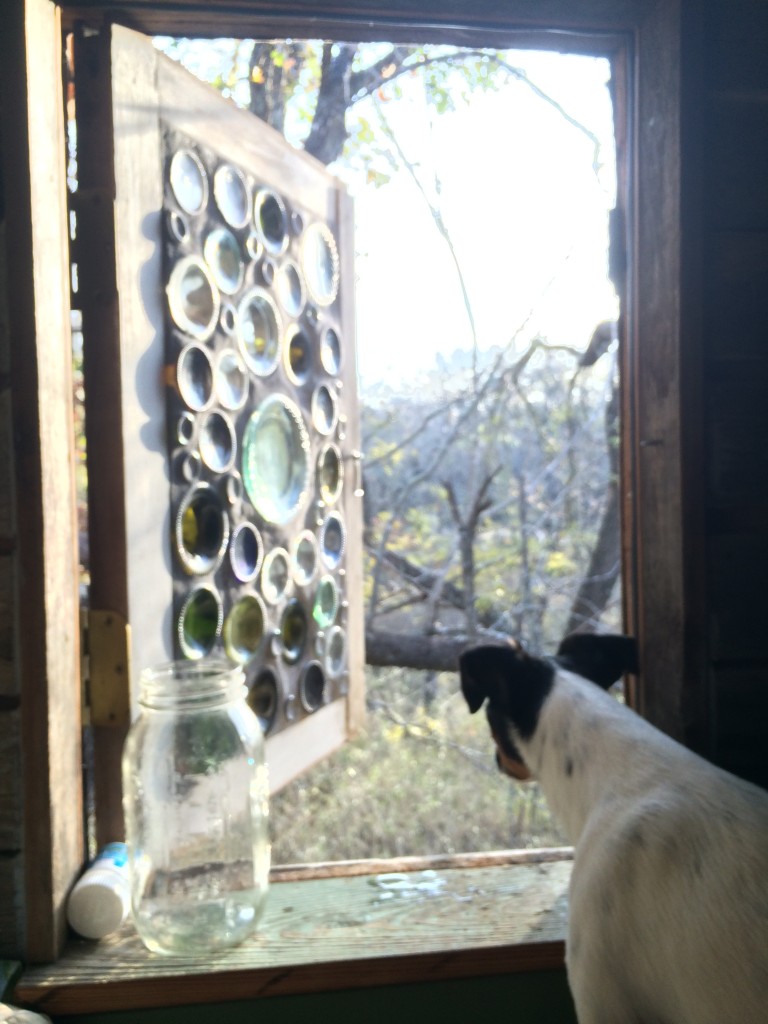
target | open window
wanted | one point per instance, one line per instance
(52, 851)
(232, 523)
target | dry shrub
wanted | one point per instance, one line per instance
(419, 780)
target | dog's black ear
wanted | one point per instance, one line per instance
(482, 670)
(602, 658)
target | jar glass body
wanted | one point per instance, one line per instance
(196, 803)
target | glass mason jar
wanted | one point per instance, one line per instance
(196, 802)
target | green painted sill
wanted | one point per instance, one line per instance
(338, 926)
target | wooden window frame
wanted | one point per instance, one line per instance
(659, 491)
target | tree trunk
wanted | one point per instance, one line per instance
(605, 563)
(432, 653)
(329, 130)
(597, 586)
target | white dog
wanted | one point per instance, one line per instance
(668, 906)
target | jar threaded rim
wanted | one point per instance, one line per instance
(191, 684)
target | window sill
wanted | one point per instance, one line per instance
(337, 926)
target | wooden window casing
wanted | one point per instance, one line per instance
(662, 495)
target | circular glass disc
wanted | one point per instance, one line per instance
(193, 298)
(305, 555)
(177, 226)
(202, 530)
(253, 247)
(233, 487)
(271, 220)
(335, 651)
(293, 631)
(200, 622)
(231, 194)
(332, 540)
(320, 263)
(245, 552)
(298, 356)
(189, 181)
(326, 605)
(324, 409)
(185, 427)
(188, 466)
(263, 698)
(276, 459)
(312, 687)
(330, 351)
(290, 288)
(275, 575)
(228, 318)
(244, 629)
(267, 271)
(194, 377)
(222, 254)
(330, 473)
(217, 442)
(258, 331)
(230, 379)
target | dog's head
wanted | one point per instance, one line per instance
(515, 684)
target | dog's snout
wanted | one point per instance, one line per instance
(513, 766)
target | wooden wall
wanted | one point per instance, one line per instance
(10, 732)
(733, 166)
(41, 833)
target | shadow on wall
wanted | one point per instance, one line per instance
(540, 997)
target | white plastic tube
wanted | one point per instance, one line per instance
(101, 898)
(13, 1015)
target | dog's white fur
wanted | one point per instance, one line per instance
(668, 916)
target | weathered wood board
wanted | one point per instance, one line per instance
(333, 933)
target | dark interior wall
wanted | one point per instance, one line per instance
(538, 998)
(733, 168)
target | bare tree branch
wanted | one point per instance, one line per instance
(369, 80)
(437, 217)
(417, 431)
(457, 59)
(439, 653)
(605, 562)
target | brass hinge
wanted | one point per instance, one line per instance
(107, 643)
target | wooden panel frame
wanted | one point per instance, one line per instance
(34, 176)
(46, 596)
(127, 95)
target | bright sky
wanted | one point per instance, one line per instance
(526, 212)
